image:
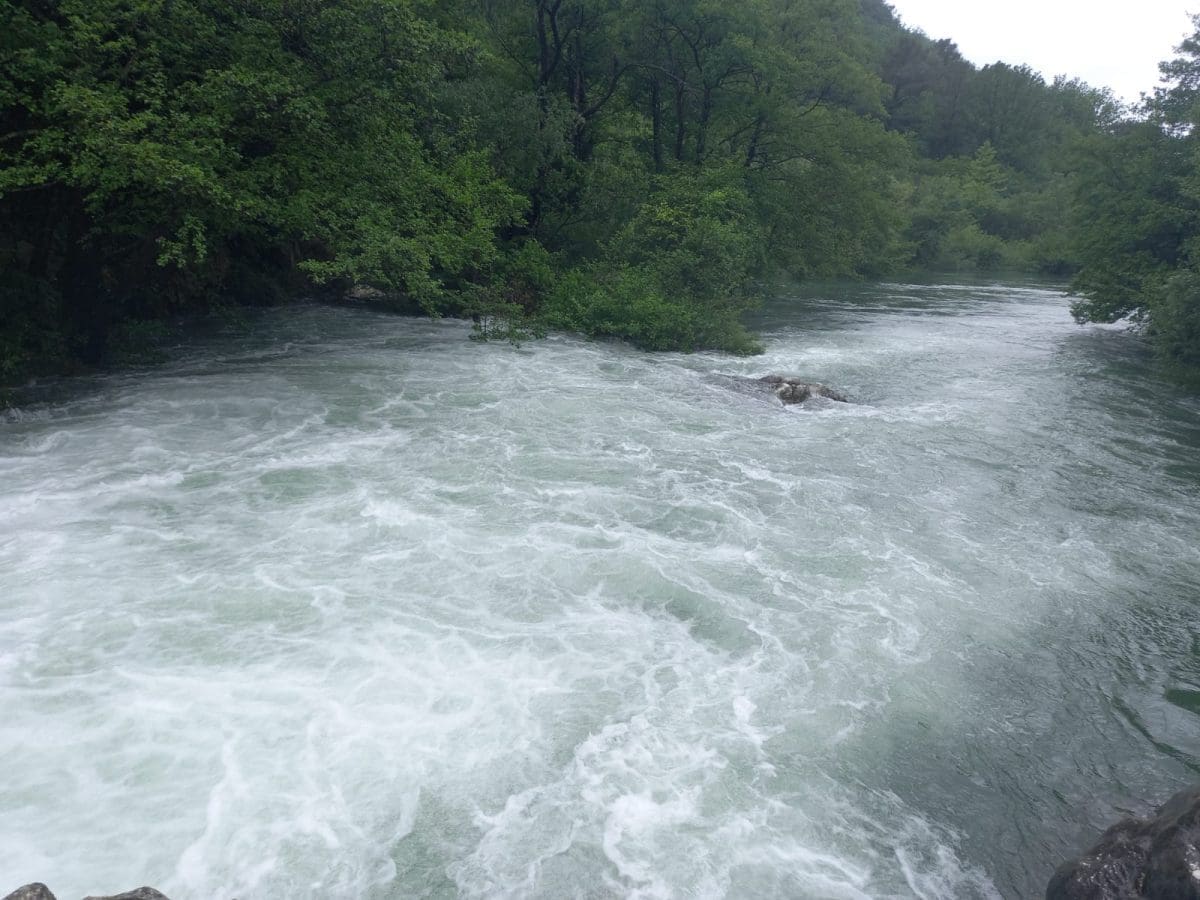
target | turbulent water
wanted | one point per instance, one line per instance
(349, 606)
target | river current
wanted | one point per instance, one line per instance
(344, 605)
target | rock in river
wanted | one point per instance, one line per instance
(35, 891)
(38, 891)
(1157, 858)
(789, 389)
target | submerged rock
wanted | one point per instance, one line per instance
(788, 389)
(1157, 858)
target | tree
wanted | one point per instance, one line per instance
(1138, 221)
(155, 155)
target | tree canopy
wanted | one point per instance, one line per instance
(632, 169)
(1137, 226)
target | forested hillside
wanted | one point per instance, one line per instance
(612, 167)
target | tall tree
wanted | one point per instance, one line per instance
(1138, 223)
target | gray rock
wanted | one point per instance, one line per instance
(788, 389)
(35, 891)
(362, 293)
(1157, 858)
(795, 390)
(39, 891)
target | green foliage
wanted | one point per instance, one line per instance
(1029, 131)
(952, 198)
(676, 277)
(1131, 220)
(30, 341)
(1176, 324)
(506, 308)
(1137, 226)
(138, 342)
(615, 167)
(155, 153)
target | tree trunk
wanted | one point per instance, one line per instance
(656, 122)
(706, 107)
(755, 137)
(680, 122)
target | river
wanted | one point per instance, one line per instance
(345, 605)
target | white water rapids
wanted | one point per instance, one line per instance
(348, 606)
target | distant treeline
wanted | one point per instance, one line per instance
(630, 168)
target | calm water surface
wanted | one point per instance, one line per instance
(349, 606)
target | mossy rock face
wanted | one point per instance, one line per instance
(1157, 857)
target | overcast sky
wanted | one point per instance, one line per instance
(1110, 43)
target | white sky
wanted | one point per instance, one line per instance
(1107, 43)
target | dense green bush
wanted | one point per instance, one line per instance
(1175, 324)
(677, 276)
(1137, 228)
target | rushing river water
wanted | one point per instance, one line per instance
(349, 606)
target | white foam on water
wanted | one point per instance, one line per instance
(352, 607)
